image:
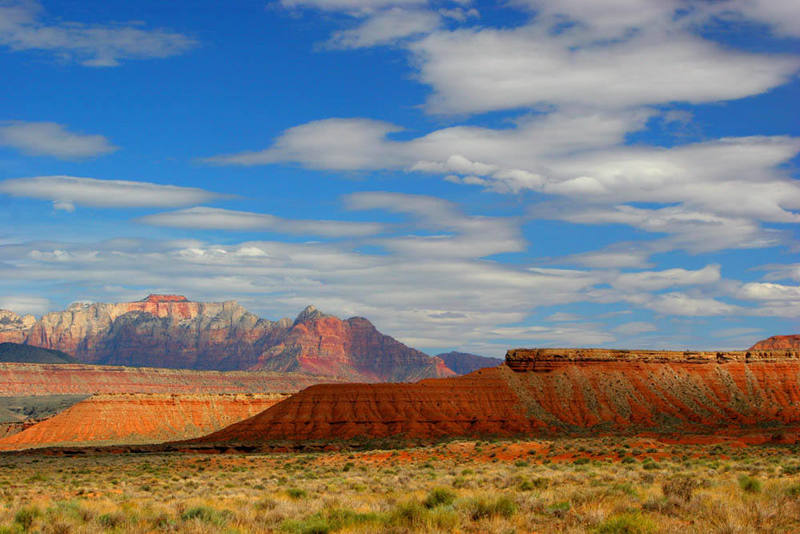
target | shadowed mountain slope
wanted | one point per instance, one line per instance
(463, 363)
(17, 352)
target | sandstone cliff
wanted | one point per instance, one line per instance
(779, 342)
(549, 391)
(133, 419)
(13, 327)
(171, 331)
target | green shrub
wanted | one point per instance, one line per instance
(111, 520)
(439, 497)
(409, 514)
(749, 484)
(680, 487)
(296, 493)
(26, 516)
(580, 461)
(480, 508)
(559, 509)
(627, 523)
(205, 515)
(793, 490)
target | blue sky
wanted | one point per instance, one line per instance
(467, 175)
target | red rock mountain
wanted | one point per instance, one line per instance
(549, 391)
(778, 342)
(171, 331)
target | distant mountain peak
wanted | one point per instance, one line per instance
(310, 313)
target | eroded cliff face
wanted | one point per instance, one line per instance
(778, 342)
(322, 344)
(170, 331)
(549, 391)
(135, 419)
(14, 327)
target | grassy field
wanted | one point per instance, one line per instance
(601, 485)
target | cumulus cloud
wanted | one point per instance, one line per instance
(66, 192)
(23, 26)
(657, 280)
(676, 303)
(221, 219)
(52, 139)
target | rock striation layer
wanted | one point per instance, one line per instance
(136, 419)
(543, 391)
(78, 379)
(171, 331)
(778, 342)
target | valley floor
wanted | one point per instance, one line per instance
(600, 485)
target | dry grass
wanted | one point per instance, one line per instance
(616, 486)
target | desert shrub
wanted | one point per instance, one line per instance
(439, 497)
(205, 514)
(628, 460)
(580, 461)
(296, 493)
(460, 482)
(348, 466)
(627, 523)
(650, 464)
(110, 520)
(313, 525)
(410, 514)
(481, 507)
(793, 490)
(679, 487)
(57, 527)
(25, 517)
(749, 484)
(559, 509)
(521, 463)
(790, 469)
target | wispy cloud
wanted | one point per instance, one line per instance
(221, 219)
(66, 192)
(52, 139)
(24, 26)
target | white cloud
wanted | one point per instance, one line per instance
(386, 27)
(24, 304)
(68, 191)
(52, 139)
(657, 280)
(635, 327)
(769, 291)
(22, 27)
(682, 304)
(475, 71)
(221, 219)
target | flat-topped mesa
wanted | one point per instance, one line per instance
(157, 299)
(544, 360)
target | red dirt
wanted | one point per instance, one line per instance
(563, 393)
(79, 379)
(135, 418)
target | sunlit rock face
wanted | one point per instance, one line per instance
(171, 331)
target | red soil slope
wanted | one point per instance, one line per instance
(778, 342)
(554, 390)
(78, 379)
(135, 418)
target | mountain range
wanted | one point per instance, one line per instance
(172, 332)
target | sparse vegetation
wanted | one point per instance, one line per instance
(497, 486)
